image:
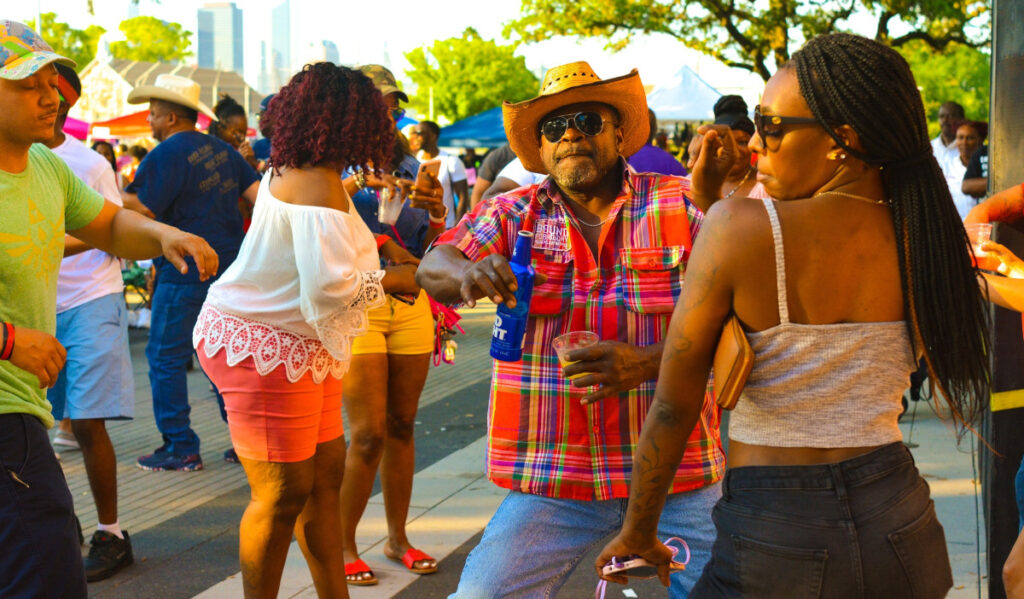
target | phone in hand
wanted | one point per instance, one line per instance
(634, 566)
(427, 169)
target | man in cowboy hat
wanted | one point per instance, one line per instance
(42, 199)
(610, 249)
(192, 181)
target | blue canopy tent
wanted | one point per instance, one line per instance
(687, 98)
(482, 130)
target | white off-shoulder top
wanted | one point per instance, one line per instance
(297, 293)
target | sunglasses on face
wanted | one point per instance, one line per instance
(770, 125)
(397, 114)
(587, 123)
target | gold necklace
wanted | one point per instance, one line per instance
(738, 185)
(851, 195)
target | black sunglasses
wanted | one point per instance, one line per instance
(587, 123)
(770, 125)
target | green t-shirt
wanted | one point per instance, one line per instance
(36, 206)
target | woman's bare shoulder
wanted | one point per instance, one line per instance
(737, 216)
(310, 187)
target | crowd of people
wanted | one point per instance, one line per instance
(306, 272)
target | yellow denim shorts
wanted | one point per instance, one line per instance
(398, 328)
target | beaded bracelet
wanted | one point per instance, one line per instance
(8, 342)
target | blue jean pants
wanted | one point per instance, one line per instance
(1019, 485)
(40, 558)
(533, 543)
(175, 311)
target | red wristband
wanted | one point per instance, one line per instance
(381, 240)
(8, 341)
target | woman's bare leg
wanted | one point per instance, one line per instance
(365, 393)
(407, 375)
(279, 494)
(318, 527)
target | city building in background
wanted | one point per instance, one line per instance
(219, 38)
(281, 45)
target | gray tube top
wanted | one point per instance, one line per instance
(822, 385)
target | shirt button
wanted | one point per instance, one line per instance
(597, 429)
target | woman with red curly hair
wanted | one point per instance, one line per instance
(275, 332)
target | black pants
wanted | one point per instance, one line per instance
(39, 553)
(861, 528)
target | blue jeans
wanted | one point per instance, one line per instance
(175, 311)
(1019, 485)
(40, 558)
(533, 543)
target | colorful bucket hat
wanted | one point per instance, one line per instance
(23, 52)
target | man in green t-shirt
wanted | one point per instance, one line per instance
(41, 199)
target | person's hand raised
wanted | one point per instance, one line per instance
(711, 162)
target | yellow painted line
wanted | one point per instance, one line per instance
(1008, 400)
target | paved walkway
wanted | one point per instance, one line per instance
(185, 524)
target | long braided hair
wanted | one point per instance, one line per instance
(848, 79)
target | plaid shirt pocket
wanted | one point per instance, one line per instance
(650, 278)
(553, 296)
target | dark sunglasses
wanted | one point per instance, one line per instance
(397, 114)
(587, 123)
(770, 125)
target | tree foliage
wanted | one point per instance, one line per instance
(77, 44)
(959, 73)
(755, 35)
(152, 40)
(468, 75)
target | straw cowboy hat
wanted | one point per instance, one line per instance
(571, 84)
(174, 89)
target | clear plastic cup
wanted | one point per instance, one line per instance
(978, 233)
(568, 342)
(390, 206)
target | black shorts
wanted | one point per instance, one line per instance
(861, 528)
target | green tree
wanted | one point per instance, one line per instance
(152, 40)
(753, 34)
(468, 75)
(960, 74)
(77, 44)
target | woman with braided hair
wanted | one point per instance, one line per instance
(859, 266)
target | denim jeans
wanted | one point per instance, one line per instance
(1019, 486)
(40, 558)
(533, 543)
(175, 311)
(860, 528)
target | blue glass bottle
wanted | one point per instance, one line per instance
(510, 323)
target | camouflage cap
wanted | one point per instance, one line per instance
(383, 80)
(23, 52)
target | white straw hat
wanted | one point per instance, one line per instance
(174, 89)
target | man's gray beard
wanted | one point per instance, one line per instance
(578, 179)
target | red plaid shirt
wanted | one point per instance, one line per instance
(541, 440)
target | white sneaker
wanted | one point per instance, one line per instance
(145, 315)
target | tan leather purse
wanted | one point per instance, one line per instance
(733, 360)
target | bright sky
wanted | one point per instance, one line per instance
(382, 31)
